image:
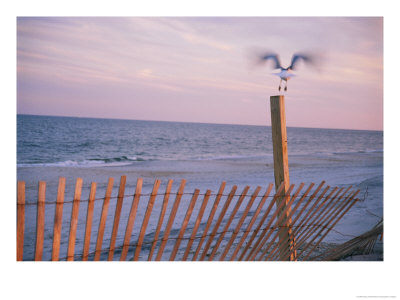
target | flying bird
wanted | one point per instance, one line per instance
(285, 73)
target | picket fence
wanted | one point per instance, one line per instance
(251, 231)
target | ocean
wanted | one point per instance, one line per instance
(203, 154)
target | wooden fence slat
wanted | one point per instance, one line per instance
(313, 210)
(338, 218)
(240, 223)
(235, 210)
(308, 202)
(310, 199)
(184, 224)
(74, 219)
(58, 219)
(278, 212)
(314, 217)
(252, 221)
(89, 221)
(210, 218)
(262, 221)
(131, 219)
(284, 219)
(161, 218)
(219, 220)
(197, 224)
(327, 210)
(286, 230)
(117, 216)
(103, 219)
(309, 229)
(278, 248)
(322, 207)
(20, 219)
(40, 220)
(294, 222)
(146, 218)
(327, 217)
(171, 219)
(332, 215)
(301, 240)
(349, 246)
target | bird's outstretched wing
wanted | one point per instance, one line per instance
(297, 57)
(272, 56)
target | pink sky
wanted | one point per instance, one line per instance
(198, 69)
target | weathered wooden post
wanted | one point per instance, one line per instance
(281, 166)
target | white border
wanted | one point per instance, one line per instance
(199, 280)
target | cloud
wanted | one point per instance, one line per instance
(145, 73)
(193, 39)
(197, 58)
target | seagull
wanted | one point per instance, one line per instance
(285, 73)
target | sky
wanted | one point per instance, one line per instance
(201, 69)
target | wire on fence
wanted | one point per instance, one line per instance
(160, 195)
(274, 228)
(311, 225)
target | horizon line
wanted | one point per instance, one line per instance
(192, 122)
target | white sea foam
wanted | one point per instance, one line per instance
(83, 163)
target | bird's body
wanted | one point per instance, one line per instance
(285, 73)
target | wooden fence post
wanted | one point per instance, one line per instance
(74, 219)
(20, 219)
(281, 164)
(89, 221)
(40, 221)
(58, 219)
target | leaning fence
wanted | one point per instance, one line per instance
(223, 226)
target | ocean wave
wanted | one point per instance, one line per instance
(359, 151)
(374, 151)
(128, 160)
(117, 159)
(93, 162)
(234, 157)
